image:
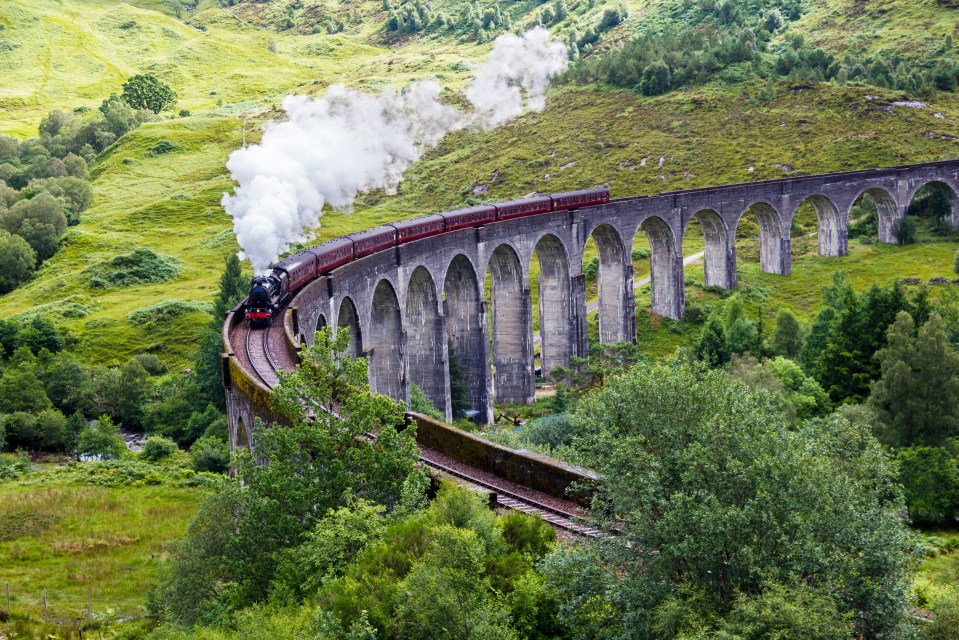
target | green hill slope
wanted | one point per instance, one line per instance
(74, 53)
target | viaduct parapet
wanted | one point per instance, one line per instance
(405, 306)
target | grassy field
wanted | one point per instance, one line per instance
(222, 65)
(85, 543)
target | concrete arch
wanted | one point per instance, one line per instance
(616, 308)
(555, 303)
(241, 438)
(348, 318)
(465, 312)
(773, 241)
(720, 252)
(512, 329)
(666, 269)
(320, 322)
(954, 196)
(833, 226)
(426, 339)
(386, 343)
(887, 211)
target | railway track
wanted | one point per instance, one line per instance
(558, 518)
(265, 367)
(262, 360)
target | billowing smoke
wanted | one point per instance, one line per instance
(332, 148)
(519, 67)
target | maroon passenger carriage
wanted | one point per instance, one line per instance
(268, 293)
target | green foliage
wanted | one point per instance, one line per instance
(159, 312)
(904, 230)
(419, 403)
(459, 385)
(40, 221)
(140, 266)
(207, 363)
(17, 261)
(667, 438)
(210, 454)
(788, 336)
(100, 440)
(173, 402)
(157, 448)
(930, 480)
(552, 431)
(788, 612)
(146, 91)
(327, 549)
(917, 397)
(847, 332)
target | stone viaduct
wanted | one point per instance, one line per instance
(404, 305)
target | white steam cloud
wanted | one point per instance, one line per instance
(332, 148)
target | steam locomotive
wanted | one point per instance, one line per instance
(268, 293)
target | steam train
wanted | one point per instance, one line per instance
(268, 293)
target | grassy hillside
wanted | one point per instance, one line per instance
(226, 63)
(83, 544)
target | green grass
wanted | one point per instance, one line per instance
(83, 542)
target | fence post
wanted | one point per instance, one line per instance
(8, 598)
(45, 606)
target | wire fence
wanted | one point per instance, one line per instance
(54, 607)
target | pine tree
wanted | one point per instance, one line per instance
(787, 338)
(233, 287)
(918, 394)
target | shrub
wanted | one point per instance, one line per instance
(140, 266)
(17, 261)
(165, 311)
(157, 448)
(640, 254)
(210, 454)
(904, 230)
(100, 440)
(153, 365)
(146, 91)
(161, 147)
(553, 431)
(419, 403)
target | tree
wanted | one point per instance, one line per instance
(322, 459)
(787, 338)
(930, 480)
(20, 386)
(17, 261)
(146, 91)
(712, 347)
(656, 79)
(904, 230)
(40, 221)
(708, 480)
(121, 392)
(207, 361)
(917, 396)
(157, 448)
(210, 454)
(100, 440)
(53, 431)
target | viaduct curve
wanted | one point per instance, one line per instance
(404, 304)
